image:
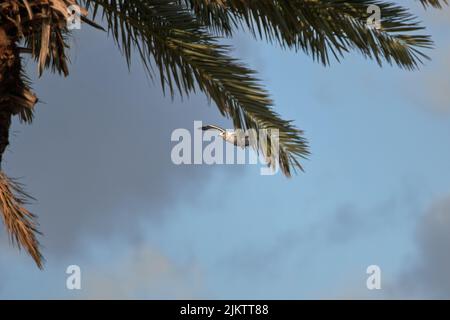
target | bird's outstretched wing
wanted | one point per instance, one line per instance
(212, 127)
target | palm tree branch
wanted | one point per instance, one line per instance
(20, 223)
(434, 3)
(188, 58)
(321, 28)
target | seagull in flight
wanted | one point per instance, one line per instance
(240, 139)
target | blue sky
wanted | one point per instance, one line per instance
(97, 159)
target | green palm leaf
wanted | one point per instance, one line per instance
(321, 28)
(188, 58)
(434, 3)
(175, 36)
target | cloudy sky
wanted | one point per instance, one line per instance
(376, 188)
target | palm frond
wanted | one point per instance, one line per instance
(322, 28)
(20, 223)
(188, 58)
(175, 35)
(42, 26)
(434, 3)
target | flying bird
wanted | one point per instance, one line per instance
(238, 138)
(241, 139)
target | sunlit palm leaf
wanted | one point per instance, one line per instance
(20, 223)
